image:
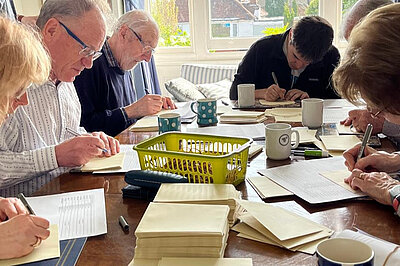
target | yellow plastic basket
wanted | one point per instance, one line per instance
(199, 157)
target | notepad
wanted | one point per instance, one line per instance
(242, 117)
(339, 143)
(285, 114)
(276, 103)
(148, 123)
(266, 188)
(254, 150)
(114, 162)
(48, 249)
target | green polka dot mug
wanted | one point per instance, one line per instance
(206, 111)
(169, 122)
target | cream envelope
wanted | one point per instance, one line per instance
(50, 248)
(339, 143)
(105, 163)
(290, 243)
(306, 135)
(285, 114)
(174, 219)
(342, 129)
(283, 224)
(338, 177)
(266, 188)
(276, 103)
(206, 261)
(246, 231)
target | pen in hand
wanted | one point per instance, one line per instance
(76, 134)
(276, 82)
(26, 204)
(364, 142)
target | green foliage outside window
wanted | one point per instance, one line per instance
(274, 31)
(165, 13)
(289, 12)
(312, 8)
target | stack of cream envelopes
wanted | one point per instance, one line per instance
(242, 117)
(182, 230)
(276, 226)
(210, 194)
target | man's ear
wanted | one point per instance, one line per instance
(51, 30)
(123, 33)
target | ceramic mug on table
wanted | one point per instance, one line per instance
(312, 112)
(206, 111)
(246, 95)
(278, 138)
(344, 251)
(169, 122)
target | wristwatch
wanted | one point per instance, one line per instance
(395, 196)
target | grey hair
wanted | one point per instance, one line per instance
(138, 20)
(360, 9)
(64, 8)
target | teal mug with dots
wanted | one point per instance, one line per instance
(206, 111)
(169, 122)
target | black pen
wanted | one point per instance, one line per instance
(123, 223)
(364, 142)
(26, 204)
(76, 134)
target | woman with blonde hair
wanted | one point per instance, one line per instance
(370, 71)
(23, 61)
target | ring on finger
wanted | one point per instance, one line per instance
(37, 243)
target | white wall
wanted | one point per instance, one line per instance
(28, 7)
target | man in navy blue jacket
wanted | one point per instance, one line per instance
(302, 60)
(106, 91)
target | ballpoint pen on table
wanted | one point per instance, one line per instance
(76, 134)
(364, 142)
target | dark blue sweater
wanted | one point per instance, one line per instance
(102, 91)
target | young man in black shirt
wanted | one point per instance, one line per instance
(302, 60)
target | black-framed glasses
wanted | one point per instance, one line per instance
(147, 49)
(86, 50)
(373, 112)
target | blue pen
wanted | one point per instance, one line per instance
(76, 134)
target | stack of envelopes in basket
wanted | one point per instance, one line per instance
(277, 226)
(210, 194)
(182, 230)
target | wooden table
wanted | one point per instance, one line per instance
(117, 247)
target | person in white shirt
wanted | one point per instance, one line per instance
(35, 145)
(23, 60)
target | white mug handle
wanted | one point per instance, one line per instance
(294, 146)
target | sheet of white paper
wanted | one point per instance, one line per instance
(381, 247)
(131, 161)
(255, 131)
(335, 115)
(338, 103)
(184, 109)
(78, 214)
(303, 179)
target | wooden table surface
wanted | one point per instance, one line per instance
(117, 247)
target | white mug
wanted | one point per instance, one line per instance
(312, 112)
(246, 95)
(278, 137)
(345, 252)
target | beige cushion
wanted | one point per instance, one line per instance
(218, 90)
(183, 90)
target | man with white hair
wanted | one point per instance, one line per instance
(37, 143)
(106, 91)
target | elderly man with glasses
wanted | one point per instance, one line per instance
(36, 143)
(106, 91)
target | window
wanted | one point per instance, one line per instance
(172, 17)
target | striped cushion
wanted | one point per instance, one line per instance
(201, 73)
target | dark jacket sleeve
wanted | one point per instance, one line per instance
(93, 89)
(246, 72)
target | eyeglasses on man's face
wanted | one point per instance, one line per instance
(147, 49)
(86, 50)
